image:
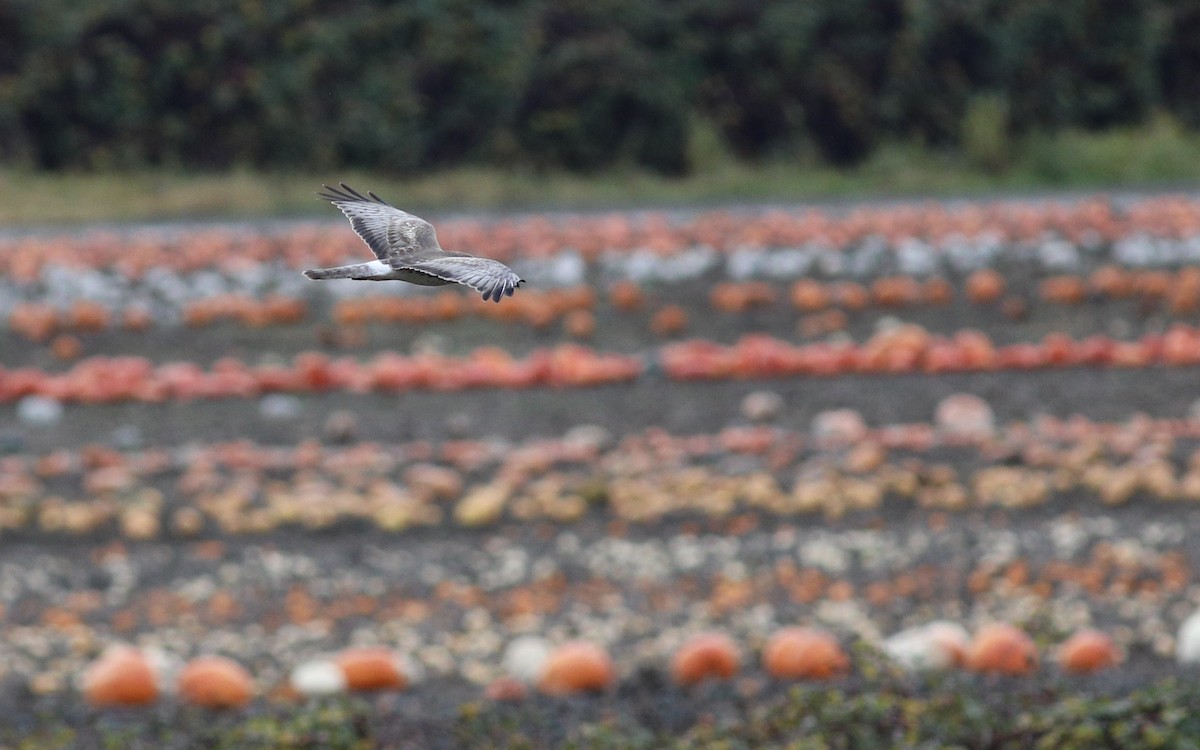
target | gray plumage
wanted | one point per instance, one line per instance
(407, 249)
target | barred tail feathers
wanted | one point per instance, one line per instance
(352, 271)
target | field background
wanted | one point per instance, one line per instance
(850, 315)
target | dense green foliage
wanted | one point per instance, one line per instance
(1000, 716)
(580, 84)
(997, 715)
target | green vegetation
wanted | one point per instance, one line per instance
(576, 85)
(1158, 717)
(329, 725)
(998, 714)
(1158, 154)
(154, 109)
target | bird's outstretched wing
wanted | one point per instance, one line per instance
(491, 278)
(388, 231)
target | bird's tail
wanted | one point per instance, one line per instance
(353, 271)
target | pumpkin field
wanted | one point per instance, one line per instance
(898, 473)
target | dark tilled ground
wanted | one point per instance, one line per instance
(431, 715)
(652, 401)
(678, 407)
(615, 331)
(447, 712)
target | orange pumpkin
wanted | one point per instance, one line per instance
(1063, 290)
(122, 676)
(895, 291)
(1088, 651)
(937, 291)
(804, 653)
(985, 286)
(580, 324)
(708, 655)
(372, 668)
(1002, 649)
(850, 295)
(808, 295)
(1111, 281)
(576, 667)
(669, 321)
(215, 682)
(626, 296)
(66, 347)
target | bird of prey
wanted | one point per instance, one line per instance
(407, 249)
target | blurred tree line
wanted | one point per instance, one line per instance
(577, 84)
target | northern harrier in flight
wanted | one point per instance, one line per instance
(407, 250)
